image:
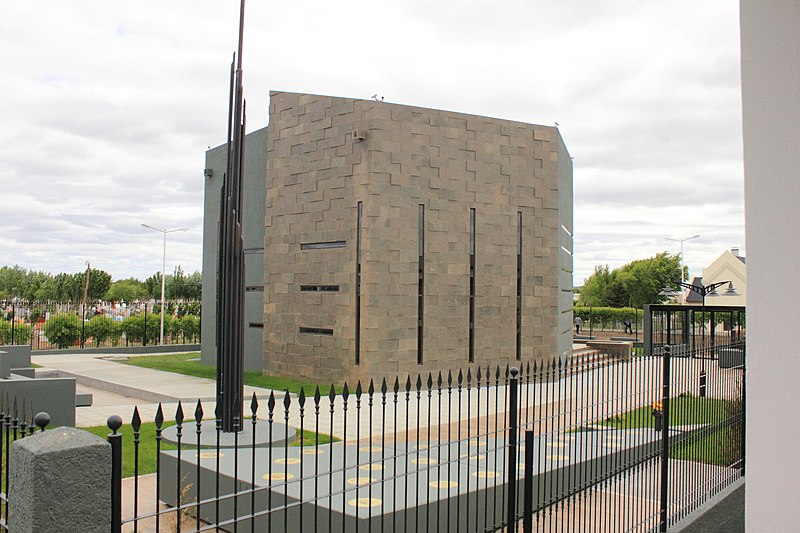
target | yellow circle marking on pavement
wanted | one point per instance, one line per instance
(371, 449)
(278, 476)
(357, 481)
(485, 474)
(421, 446)
(288, 461)
(210, 455)
(364, 502)
(313, 451)
(371, 466)
(424, 461)
(443, 484)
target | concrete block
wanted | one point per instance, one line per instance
(60, 480)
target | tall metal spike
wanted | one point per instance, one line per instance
(478, 376)
(460, 377)
(430, 381)
(332, 393)
(287, 400)
(317, 396)
(254, 406)
(449, 378)
(408, 384)
(159, 416)
(419, 382)
(371, 389)
(301, 398)
(198, 412)
(345, 392)
(179, 413)
(469, 377)
(271, 401)
(396, 387)
(383, 386)
(358, 390)
(136, 420)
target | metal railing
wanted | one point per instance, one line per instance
(587, 443)
(95, 324)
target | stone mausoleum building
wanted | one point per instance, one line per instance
(384, 240)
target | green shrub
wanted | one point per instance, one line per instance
(610, 317)
(63, 330)
(102, 328)
(22, 333)
(134, 327)
(188, 326)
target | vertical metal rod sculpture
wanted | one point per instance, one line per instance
(230, 272)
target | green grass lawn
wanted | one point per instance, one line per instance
(718, 443)
(683, 410)
(189, 364)
(147, 444)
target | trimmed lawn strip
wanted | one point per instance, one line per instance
(147, 444)
(683, 410)
(189, 364)
(717, 444)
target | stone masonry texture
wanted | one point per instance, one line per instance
(318, 171)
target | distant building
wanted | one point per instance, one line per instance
(729, 266)
(399, 240)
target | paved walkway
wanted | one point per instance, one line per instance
(117, 388)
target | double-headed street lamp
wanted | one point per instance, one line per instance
(164, 270)
(703, 291)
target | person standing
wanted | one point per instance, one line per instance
(578, 324)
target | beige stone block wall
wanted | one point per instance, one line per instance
(448, 162)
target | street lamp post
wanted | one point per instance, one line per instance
(683, 240)
(163, 270)
(703, 291)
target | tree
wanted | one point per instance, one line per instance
(632, 285)
(127, 290)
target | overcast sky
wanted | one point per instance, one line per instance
(108, 107)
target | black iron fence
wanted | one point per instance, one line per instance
(587, 443)
(62, 325)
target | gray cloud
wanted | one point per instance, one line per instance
(108, 109)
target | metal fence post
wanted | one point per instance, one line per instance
(511, 517)
(664, 437)
(115, 439)
(527, 497)
(13, 319)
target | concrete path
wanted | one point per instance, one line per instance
(117, 388)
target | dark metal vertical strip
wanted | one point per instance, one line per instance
(358, 282)
(519, 286)
(472, 285)
(665, 388)
(513, 405)
(420, 283)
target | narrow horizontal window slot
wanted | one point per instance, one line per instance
(316, 331)
(322, 245)
(319, 288)
(254, 288)
(256, 325)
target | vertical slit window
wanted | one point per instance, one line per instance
(421, 282)
(519, 285)
(472, 285)
(358, 282)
